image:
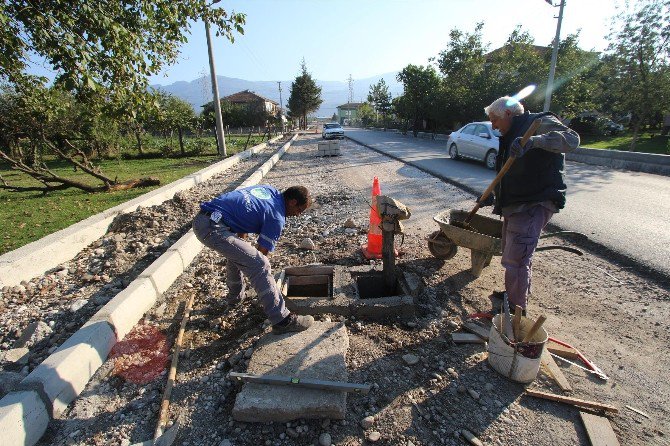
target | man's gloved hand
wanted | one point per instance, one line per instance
(488, 202)
(517, 150)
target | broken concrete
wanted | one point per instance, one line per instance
(317, 353)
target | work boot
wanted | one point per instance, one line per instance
(292, 323)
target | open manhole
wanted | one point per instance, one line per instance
(373, 286)
(317, 285)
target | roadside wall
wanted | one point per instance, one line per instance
(48, 252)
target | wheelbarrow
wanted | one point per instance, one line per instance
(484, 242)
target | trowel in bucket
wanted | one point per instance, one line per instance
(506, 320)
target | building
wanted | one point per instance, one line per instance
(249, 98)
(348, 113)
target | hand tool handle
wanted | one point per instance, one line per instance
(536, 326)
(516, 323)
(526, 136)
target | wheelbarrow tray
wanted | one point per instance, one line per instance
(488, 235)
(484, 240)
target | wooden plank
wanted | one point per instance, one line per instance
(599, 430)
(477, 329)
(466, 338)
(572, 401)
(565, 352)
(555, 371)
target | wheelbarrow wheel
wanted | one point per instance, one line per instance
(441, 246)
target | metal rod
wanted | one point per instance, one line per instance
(302, 382)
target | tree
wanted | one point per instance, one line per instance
(334, 117)
(421, 89)
(638, 63)
(366, 114)
(305, 96)
(462, 65)
(37, 121)
(380, 98)
(115, 45)
(175, 114)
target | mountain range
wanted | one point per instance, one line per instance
(333, 93)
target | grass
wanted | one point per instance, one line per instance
(647, 142)
(29, 216)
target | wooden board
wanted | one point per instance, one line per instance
(477, 329)
(555, 371)
(572, 401)
(466, 338)
(565, 352)
(308, 280)
(599, 430)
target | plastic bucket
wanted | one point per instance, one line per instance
(519, 362)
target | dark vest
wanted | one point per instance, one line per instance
(537, 176)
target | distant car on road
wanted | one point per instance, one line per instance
(477, 141)
(332, 130)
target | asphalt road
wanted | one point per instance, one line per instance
(627, 212)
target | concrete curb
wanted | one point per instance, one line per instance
(48, 252)
(59, 379)
(618, 159)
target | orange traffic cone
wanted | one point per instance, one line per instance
(373, 248)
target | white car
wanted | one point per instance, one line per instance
(477, 141)
(332, 130)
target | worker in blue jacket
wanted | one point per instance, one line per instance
(223, 224)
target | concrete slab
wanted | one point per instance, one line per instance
(317, 353)
(23, 418)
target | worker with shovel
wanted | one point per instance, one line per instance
(531, 192)
(223, 224)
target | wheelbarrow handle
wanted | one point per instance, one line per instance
(526, 136)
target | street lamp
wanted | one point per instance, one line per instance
(220, 137)
(554, 56)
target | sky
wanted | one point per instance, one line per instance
(364, 38)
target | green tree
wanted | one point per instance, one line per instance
(366, 114)
(420, 97)
(380, 99)
(462, 65)
(638, 63)
(305, 96)
(175, 114)
(112, 44)
(334, 117)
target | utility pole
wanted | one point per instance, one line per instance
(350, 81)
(554, 56)
(220, 137)
(281, 106)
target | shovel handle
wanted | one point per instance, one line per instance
(524, 139)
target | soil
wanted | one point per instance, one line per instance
(614, 312)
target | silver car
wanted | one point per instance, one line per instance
(477, 141)
(332, 130)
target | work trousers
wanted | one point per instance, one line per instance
(242, 258)
(520, 234)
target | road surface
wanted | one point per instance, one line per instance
(627, 212)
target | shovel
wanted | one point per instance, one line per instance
(465, 224)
